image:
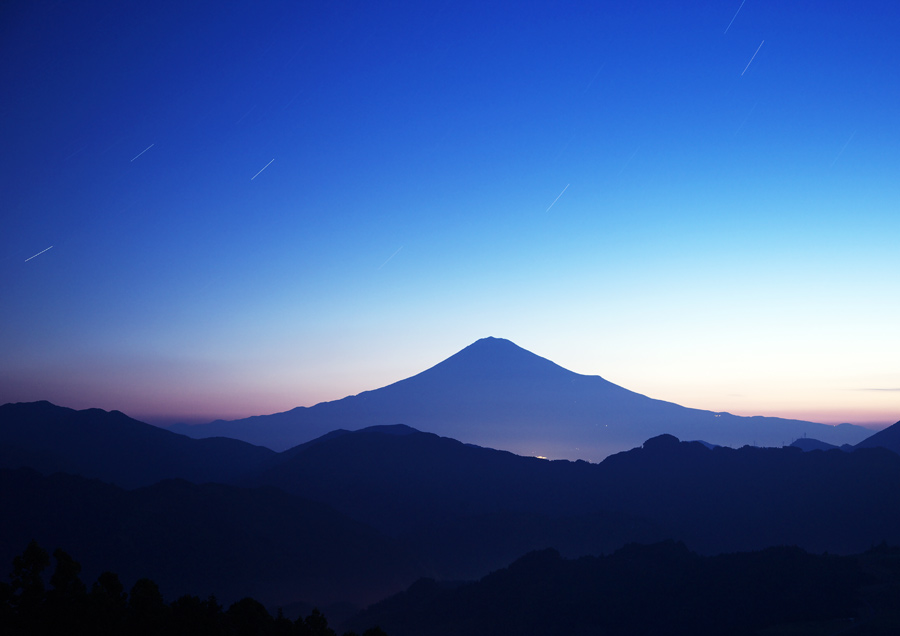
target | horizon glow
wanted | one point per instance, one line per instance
(269, 205)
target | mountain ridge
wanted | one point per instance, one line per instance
(111, 446)
(885, 438)
(458, 509)
(204, 538)
(422, 487)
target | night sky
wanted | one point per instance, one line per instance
(229, 209)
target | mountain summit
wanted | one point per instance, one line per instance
(495, 357)
(496, 394)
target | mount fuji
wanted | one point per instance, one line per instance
(496, 394)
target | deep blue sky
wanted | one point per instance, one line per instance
(614, 186)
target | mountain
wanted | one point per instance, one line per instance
(807, 444)
(725, 499)
(400, 482)
(653, 589)
(203, 539)
(466, 509)
(886, 438)
(115, 448)
(463, 508)
(493, 393)
(302, 523)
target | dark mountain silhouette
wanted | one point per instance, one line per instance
(464, 508)
(496, 394)
(115, 448)
(886, 438)
(653, 589)
(749, 498)
(400, 482)
(203, 539)
(467, 508)
(807, 444)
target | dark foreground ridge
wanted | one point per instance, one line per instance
(454, 500)
(205, 539)
(29, 607)
(111, 446)
(354, 516)
(659, 589)
(640, 589)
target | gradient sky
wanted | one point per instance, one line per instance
(255, 206)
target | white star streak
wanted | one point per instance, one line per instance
(143, 151)
(754, 55)
(628, 161)
(844, 148)
(735, 15)
(557, 198)
(390, 257)
(38, 254)
(263, 168)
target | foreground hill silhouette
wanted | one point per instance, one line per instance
(113, 447)
(724, 499)
(464, 509)
(458, 510)
(204, 539)
(463, 505)
(496, 394)
(418, 485)
(69, 606)
(658, 589)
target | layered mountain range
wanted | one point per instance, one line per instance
(496, 394)
(356, 515)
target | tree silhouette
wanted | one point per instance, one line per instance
(249, 618)
(315, 625)
(28, 608)
(193, 617)
(107, 605)
(66, 604)
(28, 593)
(283, 625)
(148, 612)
